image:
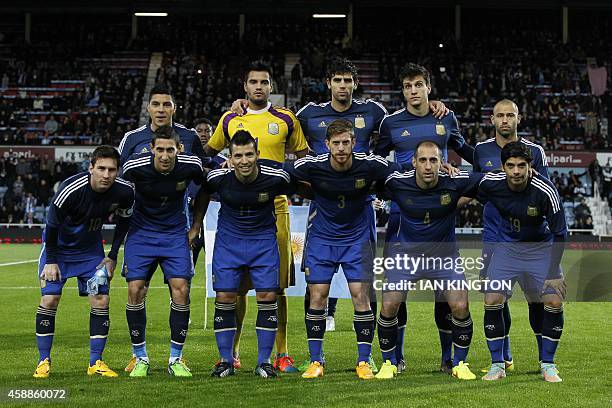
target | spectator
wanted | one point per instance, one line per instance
(51, 126)
(18, 187)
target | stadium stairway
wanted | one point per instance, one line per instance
(293, 95)
(600, 211)
(155, 63)
(369, 79)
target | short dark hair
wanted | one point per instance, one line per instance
(412, 70)
(242, 138)
(427, 142)
(105, 152)
(160, 89)
(516, 149)
(339, 126)
(166, 132)
(202, 120)
(341, 66)
(257, 66)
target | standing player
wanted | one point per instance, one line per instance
(402, 131)
(276, 129)
(427, 200)
(339, 236)
(487, 157)
(245, 243)
(73, 248)
(160, 221)
(342, 81)
(531, 239)
(161, 109)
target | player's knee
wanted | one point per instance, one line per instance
(389, 308)
(226, 297)
(99, 301)
(136, 292)
(265, 296)
(459, 309)
(494, 299)
(318, 300)
(554, 303)
(50, 301)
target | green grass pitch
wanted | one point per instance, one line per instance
(583, 355)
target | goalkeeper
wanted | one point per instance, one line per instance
(72, 248)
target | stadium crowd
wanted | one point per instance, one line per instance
(101, 100)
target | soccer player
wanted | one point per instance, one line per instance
(487, 157)
(342, 81)
(276, 129)
(402, 131)
(161, 109)
(73, 248)
(530, 246)
(161, 179)
(339, 236)
(427, 200)
(245, 243)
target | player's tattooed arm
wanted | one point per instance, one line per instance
(438, 109)
(239, 106)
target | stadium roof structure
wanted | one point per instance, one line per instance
(271, 6)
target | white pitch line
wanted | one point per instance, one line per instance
(18, 262)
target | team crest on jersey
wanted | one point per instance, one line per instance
(405, 132)
(144, 150)
(181, 185)
(360, 122)
(408, 201)
(445, 199)
(440, 129)
(273, 128)
(360, 183)
(489, 164)
(322, 124)
(240, 126)
(263, 197)
(532, 211)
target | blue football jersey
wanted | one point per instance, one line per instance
(487, 156)
(428, 216)
(247, 210)
(161, 205)
(532, 215)
(402, 132)
(139, 141)
(78, 212)
(340, 217)
(364, 115)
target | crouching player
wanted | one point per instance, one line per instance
(246, 243)
(339, 235)
(72, 248)
(530, 247)
(427, 200)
